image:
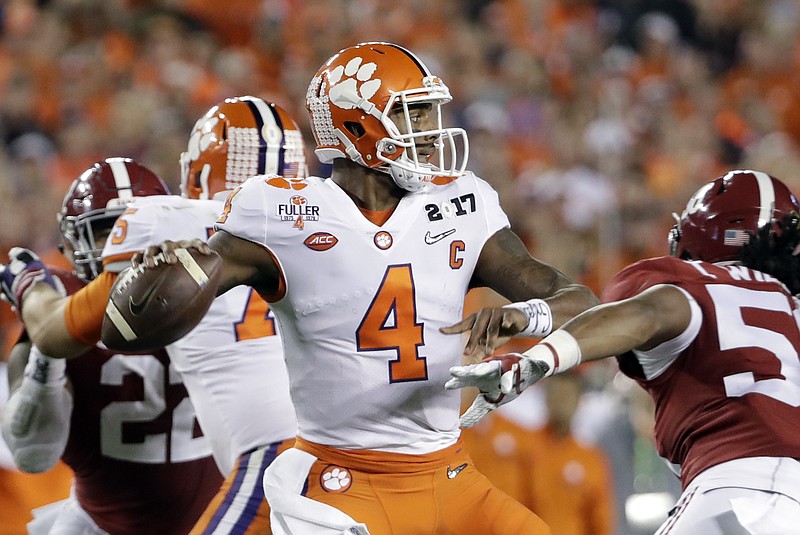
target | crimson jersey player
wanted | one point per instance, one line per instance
(141, 463)
(711, 333)
(707, 410)
(139, 457)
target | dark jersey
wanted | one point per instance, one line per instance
(734, 392)
(140, 460)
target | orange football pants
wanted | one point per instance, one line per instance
(440, 493)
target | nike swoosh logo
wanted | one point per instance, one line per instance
(136, 307)
(451, 474)
(431, 239)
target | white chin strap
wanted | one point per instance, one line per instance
(409, 180)
(410, 173)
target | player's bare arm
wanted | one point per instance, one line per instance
(642, 322)
(653, 317)
(244, 262)
(25, 280)
(506, 266)
(43, 316)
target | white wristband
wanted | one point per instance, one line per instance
(540, 318)
(45, 370)
(560, 351)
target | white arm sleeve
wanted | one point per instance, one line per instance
(36, 420)
(655, 361)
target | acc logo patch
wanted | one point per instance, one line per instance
(321, 241)
(335, 479)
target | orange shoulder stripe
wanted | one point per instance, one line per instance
(122, 257)
(85, 309)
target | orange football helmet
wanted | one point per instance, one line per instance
(350, 100)
(236, 139)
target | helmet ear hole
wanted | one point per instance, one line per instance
(355, 128)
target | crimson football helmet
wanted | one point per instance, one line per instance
(94, 201)
(350, 101)
(723, 215)
(238, 138)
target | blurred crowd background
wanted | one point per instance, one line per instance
(594, 119)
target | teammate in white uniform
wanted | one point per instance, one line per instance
(362, 271)
(231, 363)
(712, 334)
(227, 385)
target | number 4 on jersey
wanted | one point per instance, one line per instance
(391, 323)
(256, 321)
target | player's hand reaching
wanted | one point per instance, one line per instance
(165, 252)
(489, 328)
(23, 271)
(500, 379)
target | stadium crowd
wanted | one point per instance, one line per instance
(592, 119)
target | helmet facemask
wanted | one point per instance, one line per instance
(94, 202)
(80, 235)
(451, 145)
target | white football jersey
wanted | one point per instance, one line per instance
(363, 304)
(232, 362)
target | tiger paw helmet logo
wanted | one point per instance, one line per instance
(335, 479)
(353, 83)
(202, 136)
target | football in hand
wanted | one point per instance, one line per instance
(151, 308)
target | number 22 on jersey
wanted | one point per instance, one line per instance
(391, 323)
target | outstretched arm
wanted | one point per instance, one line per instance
(244, 262)
(44, 319)
(643, 322)
(40, 300)
(506, 266)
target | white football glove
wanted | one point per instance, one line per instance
(500, 379)
(37, 416)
